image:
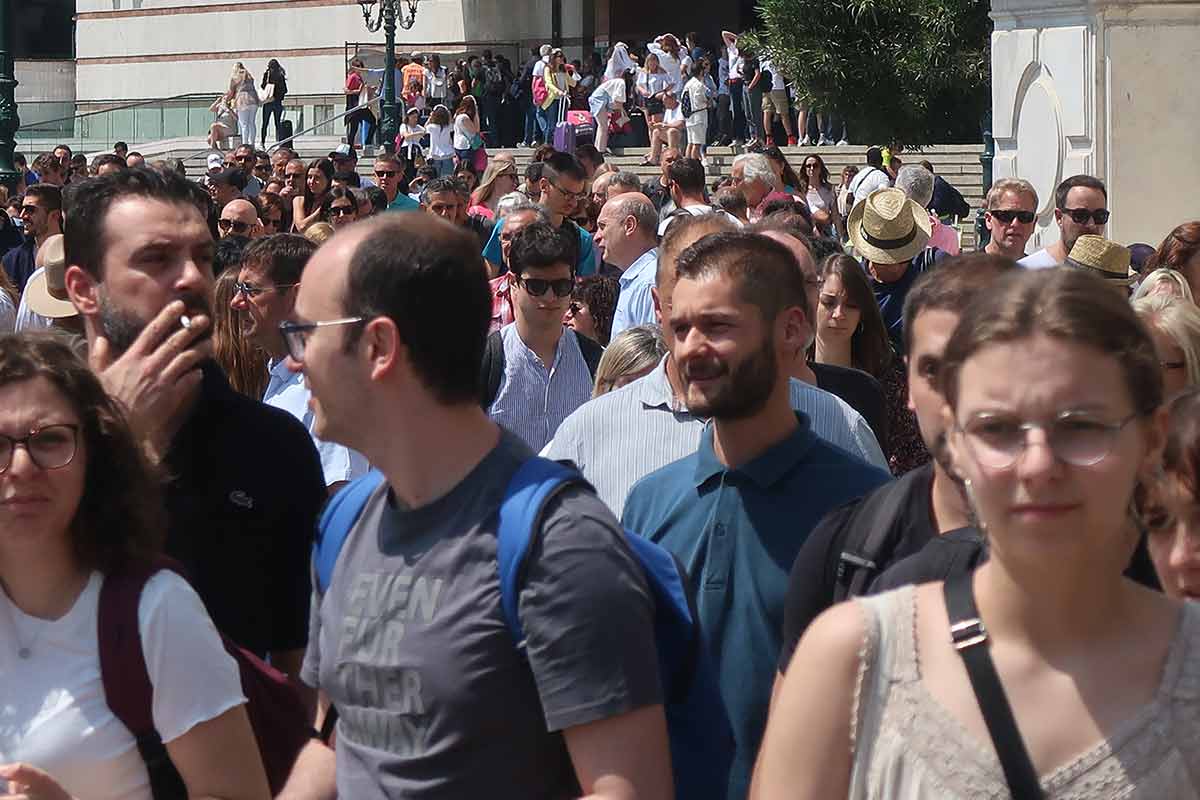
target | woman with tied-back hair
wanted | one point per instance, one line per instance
(1054, 410)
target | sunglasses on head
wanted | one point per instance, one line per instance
(1007, 215)
(1080, 216)
(538, 286)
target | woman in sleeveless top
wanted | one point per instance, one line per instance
(1054, 415)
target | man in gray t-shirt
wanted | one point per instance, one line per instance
(408, 643)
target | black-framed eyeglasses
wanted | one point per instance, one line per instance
(1080, 216)
(240, 228)
(1007, 215)
(295, 334)
(342, 211)
(537, 287)
(1078, 439)
(51, 447)
(254, 291)
(569, 195)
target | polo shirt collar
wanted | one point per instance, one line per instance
(654, 390)
(767, 469)
(639, 266)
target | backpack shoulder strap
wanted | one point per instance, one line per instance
(592, 352)
(337, 519)
(125, 677)
(492, 371)
(531, 487)
(870, 535)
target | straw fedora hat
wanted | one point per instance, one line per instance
(1101, 257)
(888, 227)
(46, 291)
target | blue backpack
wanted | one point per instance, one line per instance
(700, 735)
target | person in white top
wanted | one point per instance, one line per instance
(822, 200)
(871, 177)
(697, 122)
(436, 80)
(619, 62)
(653, 85)
(775, 103)
(441, 141)
(243, 96)
(685, 182)
(266, 294)
(466, 129)
(672, 57)
(607, 101)
(1080, 207)
(79, 501)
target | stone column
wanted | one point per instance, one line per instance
(1107, 89)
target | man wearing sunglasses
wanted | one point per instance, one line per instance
(389, 176)
(1080, 207)
(266, 294)
(239, 218)
(41, 217)
(536, 371)
(1011, 212)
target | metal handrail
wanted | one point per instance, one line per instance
(123, 108)
(294, 136)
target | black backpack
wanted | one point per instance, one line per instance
(491, 372)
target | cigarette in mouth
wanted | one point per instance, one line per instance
(186, 322)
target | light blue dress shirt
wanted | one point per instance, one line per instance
(287, 392)
(635, 303)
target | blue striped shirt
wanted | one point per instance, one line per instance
(532, 400)
(622, 436)
(635, 303)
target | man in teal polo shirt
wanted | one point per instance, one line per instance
(389, 174)
(736, 512)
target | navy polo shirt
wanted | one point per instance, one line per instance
(737, 532)
(245, 493)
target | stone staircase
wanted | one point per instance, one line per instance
(958, 164)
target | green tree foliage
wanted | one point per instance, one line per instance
(900, 71)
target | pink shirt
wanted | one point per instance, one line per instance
(943, 237)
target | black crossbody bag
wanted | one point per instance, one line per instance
(970, 640)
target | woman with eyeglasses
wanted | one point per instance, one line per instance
(593, 304)
(1054, 412)
(1169, 506)
(80, 504)
(243, 364)
(340, 207)
(306, 207)
(499, 179)
(1174, 325)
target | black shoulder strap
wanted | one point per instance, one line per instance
(869, 537)
(492, 371)
(592, 351)
(970, 640)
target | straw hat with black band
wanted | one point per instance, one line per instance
(888, 227)
(46, 291)
(1102, 258)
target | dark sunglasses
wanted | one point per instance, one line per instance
(1007, 215)
(342, 211)
(1080, 216)
(237, 227)
(386, 173)
(538, 286)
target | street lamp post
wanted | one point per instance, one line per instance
(387, 17)
(10, 123)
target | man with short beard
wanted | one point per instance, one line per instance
(736, 512)
(246, 484)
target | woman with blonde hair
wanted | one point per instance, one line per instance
(632, 354)
(244, 98)
(1164, 280)
(1174, 324)
(498, 179)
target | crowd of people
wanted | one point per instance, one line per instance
(393, 444)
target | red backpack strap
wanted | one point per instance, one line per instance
(124, 675)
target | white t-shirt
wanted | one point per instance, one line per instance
(462, 133)
(673, 115)
(668, 62)
(695, 211)
(53, 712)
(436, 83)
(695, 87)
(654, 82)
(778, 84)
(440, 141)
(868, 180)
(1039, 260)
(820, 198)
(614, 88)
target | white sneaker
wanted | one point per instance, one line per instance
(825, 141)
(805, 142)
(843, 143)
(521, 144)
